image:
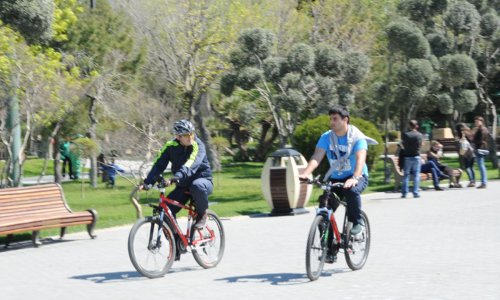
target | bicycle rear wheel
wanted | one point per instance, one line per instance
(150, 255)
(316, 247)
(209, 243)
(358, 246)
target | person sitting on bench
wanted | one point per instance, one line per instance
(434, 155)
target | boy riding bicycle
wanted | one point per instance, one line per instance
(345, 147)
(191, 169)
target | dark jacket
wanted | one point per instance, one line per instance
(480, 138)
(412, 141)
(187, 163)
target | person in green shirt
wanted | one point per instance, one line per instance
(65, 157)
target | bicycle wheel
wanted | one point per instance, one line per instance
(150, 255)
(358, 246)
(208, 243)
(316, 247)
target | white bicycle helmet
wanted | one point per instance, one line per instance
(183, 127)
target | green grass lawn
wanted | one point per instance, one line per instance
(237, 191)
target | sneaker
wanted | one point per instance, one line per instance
(178, 251)
(356, 229)
(330, 258)
(444, 176)
(472, 184)
(439, 188)
(482, 186)
(201, 222)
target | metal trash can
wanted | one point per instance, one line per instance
(281, 187)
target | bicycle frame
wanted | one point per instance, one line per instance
(186, 239)
(331, 216)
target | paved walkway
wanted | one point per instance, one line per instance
(444, 245)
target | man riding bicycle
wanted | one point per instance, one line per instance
(191, 169)
(345, 147)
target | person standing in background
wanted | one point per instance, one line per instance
(412, 142)
(65, 157)
(480, 141)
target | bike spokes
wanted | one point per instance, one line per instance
(316, 247)
(209, 242)
(151, 248)
(358, 246)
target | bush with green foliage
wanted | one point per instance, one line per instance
(32, 18)
(307, 134)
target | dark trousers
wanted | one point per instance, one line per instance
(67, 161)
(431, 167)
(353, 198)
(198, 190)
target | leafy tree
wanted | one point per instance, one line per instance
(47, 88)
(32, 18)
(306, 80)
(463, 54)
(403, 36)
(189, 41)
(418, 10)
(457, 70)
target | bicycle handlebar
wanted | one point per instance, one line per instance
(323, 185)
(161, 183)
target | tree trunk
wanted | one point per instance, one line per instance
(53, 142)
(265, 145)
(213, 157)
(57, 161)
(240, 140)
(92, 136)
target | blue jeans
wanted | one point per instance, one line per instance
(411, 166)
(353, 199)
(482, 168)
(469, 168)
(431, 167)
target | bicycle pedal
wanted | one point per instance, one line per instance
(330, 259)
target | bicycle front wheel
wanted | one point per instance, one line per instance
(209, 243)
(358, 246)
(316, 247)
(151, 249)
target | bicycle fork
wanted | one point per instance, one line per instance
(158, 222)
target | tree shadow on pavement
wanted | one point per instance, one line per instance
(278, 278)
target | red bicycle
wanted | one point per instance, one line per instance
(154, 241)
(325, 236)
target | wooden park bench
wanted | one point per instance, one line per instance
(39, 207)
(449, 145)
(393, 161)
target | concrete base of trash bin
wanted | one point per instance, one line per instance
(289, 211)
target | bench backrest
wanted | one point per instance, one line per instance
(47, 198)
(395, 162)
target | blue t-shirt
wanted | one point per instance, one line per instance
(348, 170)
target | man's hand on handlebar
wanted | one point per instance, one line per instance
(351, 182)
(161, 182)
(169, 182)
